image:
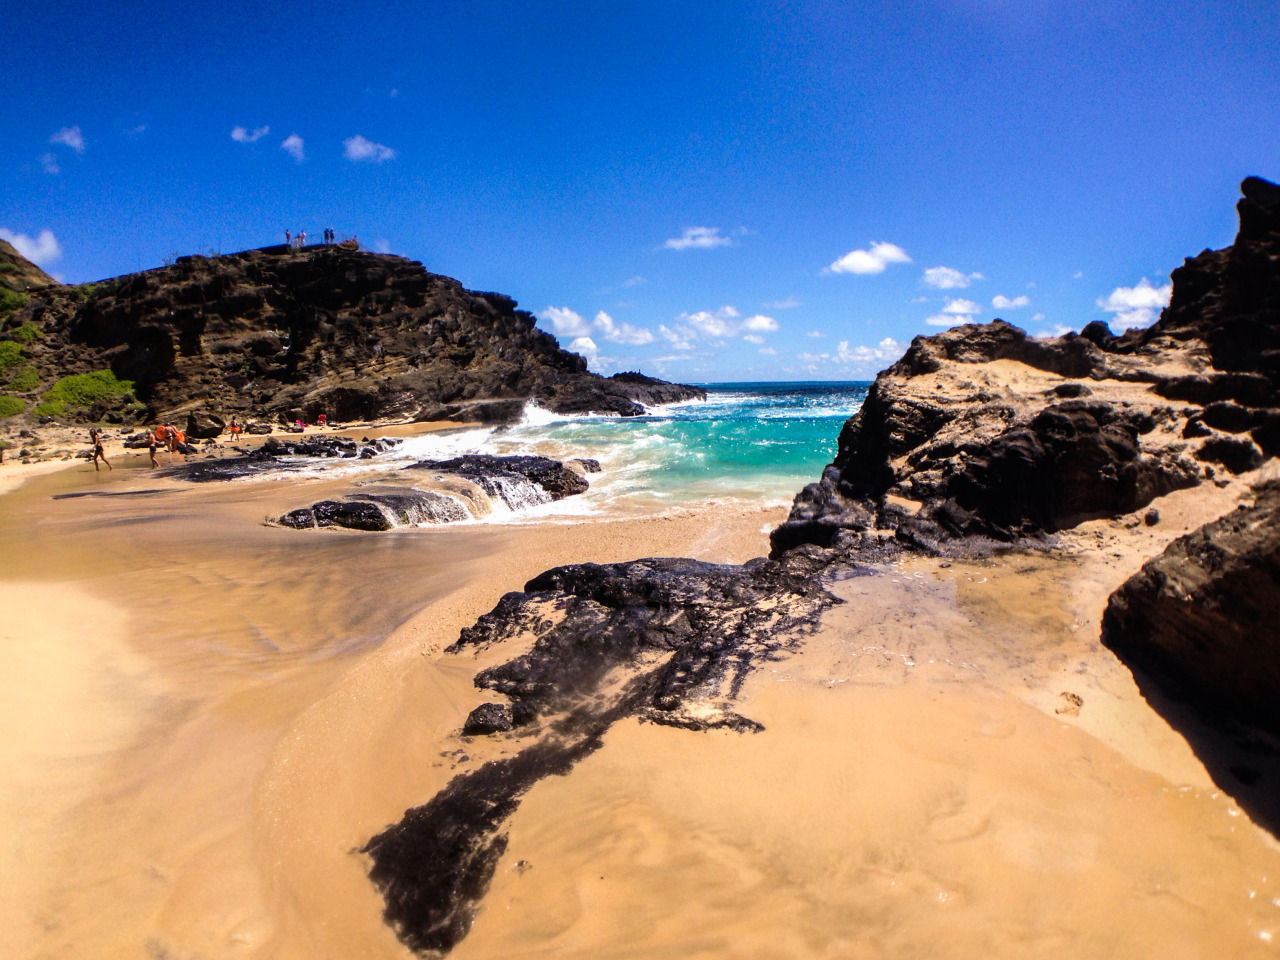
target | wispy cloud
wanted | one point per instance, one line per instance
(293, 145)
(1058, 331)
(41, 250)
(1136, 306)
(633, 282)
(872, 260)
(698, 238)
(860, 360)
(948, 278)
(50, 163)
(69, 137)
(568, 323)
(1001, 302)
(359, 150)
(787, 304)
(243, 135)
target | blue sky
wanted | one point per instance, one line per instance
(703, 191)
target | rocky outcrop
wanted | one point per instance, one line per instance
(1201, 616)
(515, 482)
(19, 274)
(982, 435)
(670, 641)
(282, 334)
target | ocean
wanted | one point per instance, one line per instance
(759, 442)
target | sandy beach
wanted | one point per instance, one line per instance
(205, 716)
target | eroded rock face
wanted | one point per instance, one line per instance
(982, 434)
(551, 476)
(668, 640)
(282, 334)
(1201, 617)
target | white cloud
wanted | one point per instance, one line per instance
(140, 128)
(710, 324)
(870, 261)
(633, 282)
(948, 278)
(243, 135)
(886, 351)
(1077, 275)
(1001, 302)
(382, 245)
(698, 238)
(43, 249)
(293, 145)
(816, 334)
(622, 332)
(948, 319)
(50, 163)
(760, 324)
(680, 338)
(585, 346)
(753, 338)
(358, 149)
(786, 304)
(961, 306)
(70, 137)
(1137, 306)
(566, 323)
(1038, 316)
(768, 351)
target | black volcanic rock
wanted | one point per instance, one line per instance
(1202, 618)
(551, 475)
(953, 443)
(667, 640)
(281, 334)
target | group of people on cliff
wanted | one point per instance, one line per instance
(299, 240)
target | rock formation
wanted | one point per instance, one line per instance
(666, 640)
(283, 334)
(1201, 617)
(983, 434)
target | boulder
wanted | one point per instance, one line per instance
(1201, 617)
(204, 426)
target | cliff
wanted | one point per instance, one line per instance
(982, 434)
(280, 334)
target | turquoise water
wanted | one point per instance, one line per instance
(750, 441)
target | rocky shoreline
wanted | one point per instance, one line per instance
(980, 441)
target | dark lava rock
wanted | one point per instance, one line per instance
(648, 638)
(204, 426)
(301, 519)
(551, 475)
(488, 718)
(952, 455)
(1201, 617)
(278, 335)
(352, 514)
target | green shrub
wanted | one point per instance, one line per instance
(11, 300)
(25, 333)
(9, 406)
(80, 292)
(9, 268)
(25, 380)
(82, 390)
(10, 354)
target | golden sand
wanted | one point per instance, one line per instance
(203, 717)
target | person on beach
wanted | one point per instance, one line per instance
(95, 437)
(234, 429)
(151, 447)
(322, 421)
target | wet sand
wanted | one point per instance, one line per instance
(204, 717)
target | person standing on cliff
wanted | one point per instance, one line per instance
(288, 238)
(95, 437)
(302, 238)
